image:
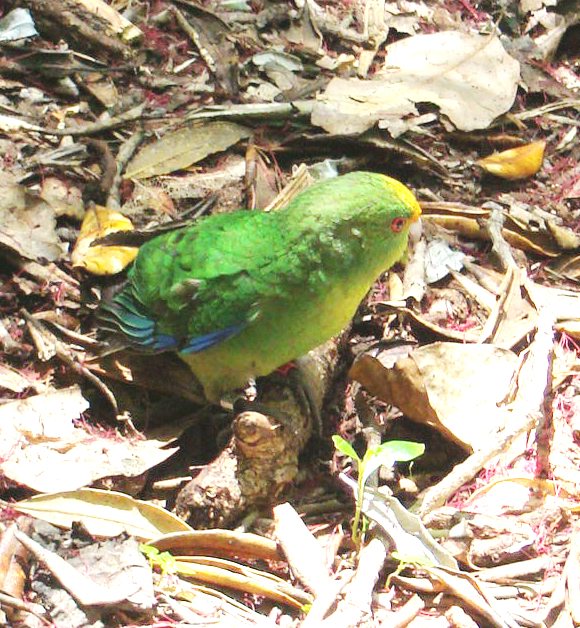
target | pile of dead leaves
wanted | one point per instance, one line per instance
(121, 120)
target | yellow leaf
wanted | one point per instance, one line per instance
(100, 259)
(515, 163)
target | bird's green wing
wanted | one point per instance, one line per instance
(195, 287)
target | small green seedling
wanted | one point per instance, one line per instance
(384, 454)
(407, 561)
(164, 560)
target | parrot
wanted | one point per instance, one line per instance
(238, 295)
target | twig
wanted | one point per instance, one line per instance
(324, 602)
(493, 225)
(406, 613)
(254, 111)
(86, 591)
(414, 285)
(62, 352)
(356, 603)
(95, 127)
(499, 311)
(303, 552)
(26, 607)
(108, 166)
(564, 600)
(124, 154)
(568, 103)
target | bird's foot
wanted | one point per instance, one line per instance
(295, 377)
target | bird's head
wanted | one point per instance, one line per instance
(373, 207)
(400, 203)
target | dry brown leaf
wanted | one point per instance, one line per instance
(64, 197)
(180, 149)
(470, 77)
(27, 224)
(46, 449)
(103, 513)
(125, 29)
(466, 220)
(232, 575)
(16, 381)
(511, 494)
(454, 388)
(218, 543)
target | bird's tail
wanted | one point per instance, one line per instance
(126, 323)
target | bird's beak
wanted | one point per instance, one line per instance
(416, 230)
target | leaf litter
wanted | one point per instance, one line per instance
(470, 348)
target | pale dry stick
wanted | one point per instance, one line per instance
(301, 179)
(92, 128)
(124, 154)
(572, 103)
(193, 35)
(522, 415)
(253, 111)
(355, 607)
(458, 618)
(406, 614)
(303, 552)
(564, 600)
(498, 312)
(24, 607)
(539, 392)
(473, 595)
(484, 297)
(494, 225)
(324, 602)
(512, 571)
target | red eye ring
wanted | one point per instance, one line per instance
(397, 224)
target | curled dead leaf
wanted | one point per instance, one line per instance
(454, 388)
(516, 163)
(99, 259)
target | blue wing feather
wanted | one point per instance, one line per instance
(199, 343)
(126, 316)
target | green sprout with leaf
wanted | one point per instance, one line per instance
(384, 454)
(165, 561)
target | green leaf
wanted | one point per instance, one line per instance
(387, 454)
(345, 447)
(400, 450)
(372, 463)
(164, 560)
(409, 559)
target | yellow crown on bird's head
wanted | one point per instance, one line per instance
(405, 195)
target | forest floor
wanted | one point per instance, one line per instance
(443, 487)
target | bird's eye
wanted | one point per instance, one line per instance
(397, 224)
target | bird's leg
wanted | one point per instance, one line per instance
(246, 401)
(293, 375)
(301, 386)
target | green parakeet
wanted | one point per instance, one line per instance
(237, 295)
